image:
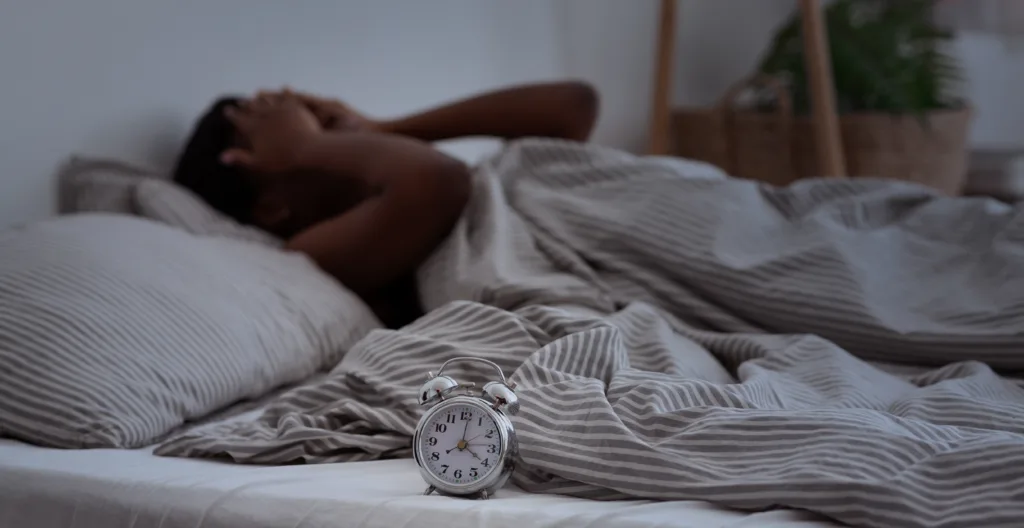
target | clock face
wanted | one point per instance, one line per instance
(460, 444)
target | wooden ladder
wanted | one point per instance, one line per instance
(819, 67)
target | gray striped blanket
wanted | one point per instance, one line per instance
(833, 346)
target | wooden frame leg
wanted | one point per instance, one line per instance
(819, 68)
(660, 119)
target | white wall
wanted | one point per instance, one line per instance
(125, 78)
(994, 75)
(612, 42)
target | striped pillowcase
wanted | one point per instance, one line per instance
(98, 185)
(175, 205)
(111, 186)
(115, 330)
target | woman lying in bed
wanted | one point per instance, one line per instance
(367, 200)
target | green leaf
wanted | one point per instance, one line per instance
(887, 56)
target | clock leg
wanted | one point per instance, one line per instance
(430, 489)
(484, 495)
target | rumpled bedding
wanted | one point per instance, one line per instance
(840, 346)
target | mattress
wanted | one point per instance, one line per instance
(106, 488)
(109, 488)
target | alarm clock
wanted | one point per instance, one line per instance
(465, 444)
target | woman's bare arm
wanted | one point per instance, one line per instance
(421, 195)
(566, 110)
(417, 192)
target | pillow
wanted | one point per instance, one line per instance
(111, 186)
(98, 185)
(175, 205)
(115, 330)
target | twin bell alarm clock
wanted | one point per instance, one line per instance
(465, 445)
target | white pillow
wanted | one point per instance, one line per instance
(111, 186)
(114, 330)
(177, 206)
(98, 185)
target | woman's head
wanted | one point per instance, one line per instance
(282, 204)
(228, 189)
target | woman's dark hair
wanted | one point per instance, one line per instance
(228, 189)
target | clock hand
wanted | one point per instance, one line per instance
(463, 445)
(464, 431)
(472, 453)
(460, 445)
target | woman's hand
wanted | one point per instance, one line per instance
(332, 114)
(275, 130)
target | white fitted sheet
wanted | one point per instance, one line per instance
(48, 488)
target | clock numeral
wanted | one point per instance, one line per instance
(480, 422)
(458, 473)
(473, 473)
(486, 463)
(440, 428)
(450, 418)
(431, 441)
(435, 456)
(490, 433)
(444, 468)
(492, 448)
(466, 415)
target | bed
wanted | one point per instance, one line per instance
(48, 488)
(689, 349)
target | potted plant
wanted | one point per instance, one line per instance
(894, 84)
(887, 56)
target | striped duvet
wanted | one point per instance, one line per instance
(833, 346)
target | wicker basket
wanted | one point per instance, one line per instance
(779, 148)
